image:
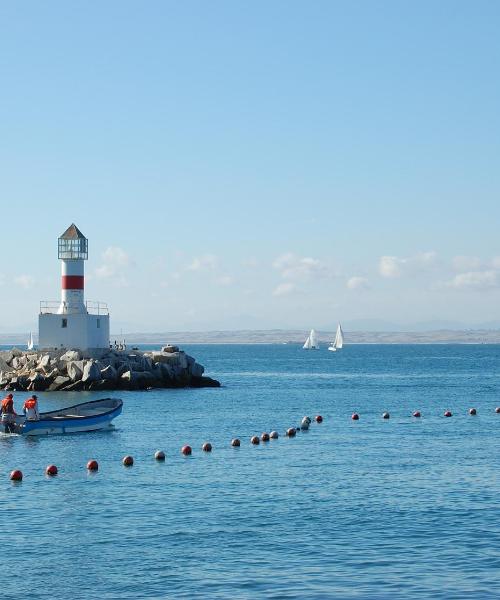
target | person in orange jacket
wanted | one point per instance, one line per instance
(8, 414)
(30, 409)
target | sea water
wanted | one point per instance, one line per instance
(376, 508)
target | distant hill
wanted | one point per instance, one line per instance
(296, 336)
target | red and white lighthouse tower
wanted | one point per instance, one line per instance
(72, 251)
(73, 323)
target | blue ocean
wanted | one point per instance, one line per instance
(394, 508)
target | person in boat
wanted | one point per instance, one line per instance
(30, 409)
(8, 414)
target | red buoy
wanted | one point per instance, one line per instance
(472, 411)
(160, 455)
(92, 465)
(318, 419)
(186, 450)
(128, 461)
(386, 415)
(235, 443)
(417, 414)
(255, 440)
(207, 447)
(51, 470)
(291, 431)
(16, 475)
(355, 417)
(274, 435)
(265, 437)
(447, 413)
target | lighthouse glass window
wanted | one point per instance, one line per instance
(73, 249)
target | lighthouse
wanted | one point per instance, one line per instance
(73, 323)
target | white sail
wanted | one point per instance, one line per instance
(31, 345)
(338, 342)
(339, 338)
(312, 342)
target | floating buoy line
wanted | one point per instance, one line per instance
(128, 461)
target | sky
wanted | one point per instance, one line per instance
(253, 165)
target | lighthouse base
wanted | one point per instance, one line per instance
(73, 331)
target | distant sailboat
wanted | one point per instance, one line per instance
(31, 344)
(312, 342)
(338, 342)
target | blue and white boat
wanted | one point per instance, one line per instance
(88, 416)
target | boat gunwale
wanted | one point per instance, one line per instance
(46, 415)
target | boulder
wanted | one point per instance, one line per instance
(109, 373)
(16, 352)
(58, 383)
(197, 370)
(204, 382)
(170, 348)
(38, 382)
(71, 355)
(91, 372)
(102, 384)
(5, 367)
(18, 362)
(44, 362)
(75, 386)
(134, 380)
(75, 370)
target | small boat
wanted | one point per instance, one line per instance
(338, 342)
(312, 342)
(30, 343)
(88, 416)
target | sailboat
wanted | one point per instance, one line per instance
(338, 342)
(312, 342)
(31, 344)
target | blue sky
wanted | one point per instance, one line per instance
(253, 164)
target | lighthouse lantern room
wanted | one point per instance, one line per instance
(73, 323)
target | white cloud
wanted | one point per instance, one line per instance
(284, 289)
(495, 262)
(251, 263)
(225, 280)
(357, 283)
(115, 265)
(394, 266)
(475, 280)
(207, 262)
(390, 266)
(296, 268)
(25, 281)
(465, 263)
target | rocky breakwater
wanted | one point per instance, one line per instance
(72, 370)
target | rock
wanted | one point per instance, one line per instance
(5, 367)
(91, 372)
(16, 352)
(135, 380)
(18, 362)
(197, 370)
(71, 355)
(102, 384)
(75, 386)
(44, 362)
(170, 348)
(75, 370)
(58, 383)
(204, 382)
(109, 373)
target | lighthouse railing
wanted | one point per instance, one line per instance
(54, 306)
